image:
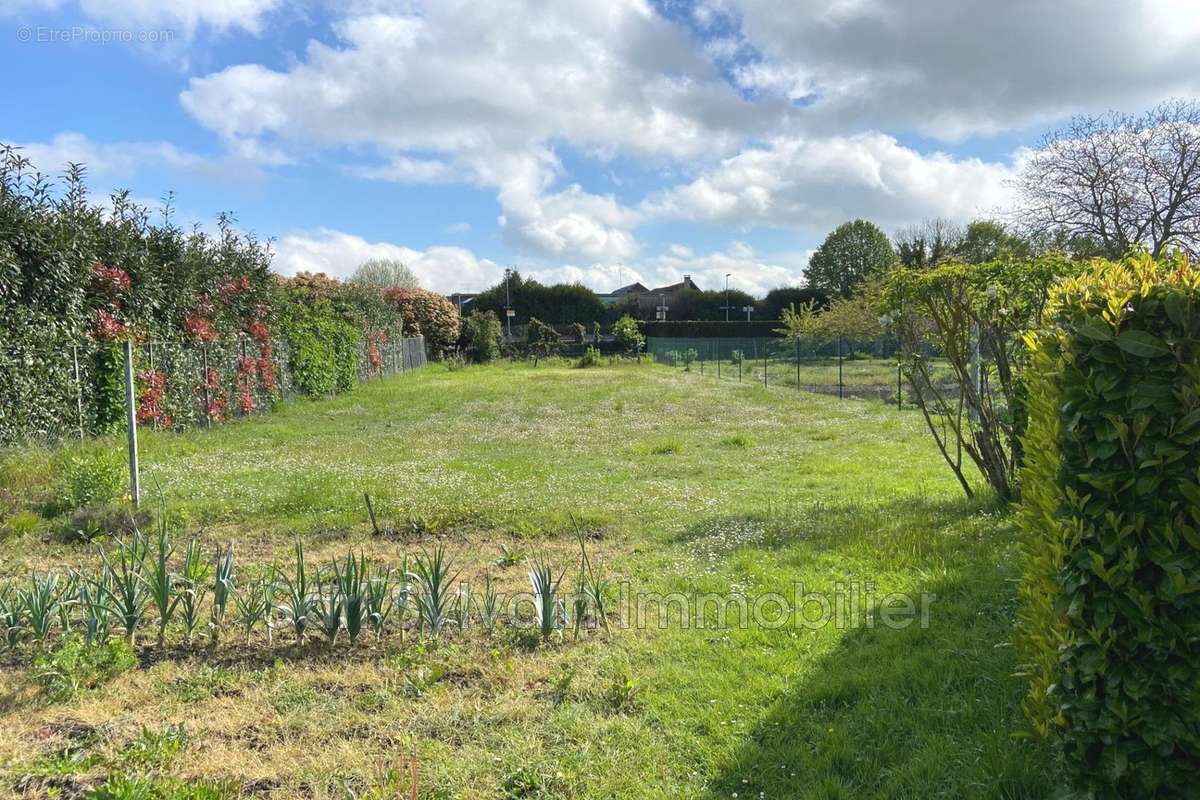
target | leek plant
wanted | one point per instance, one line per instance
(253, 605)
(67, 599)
(160, 582)
(90, 598)
(11, 609)
(193, 588)
(298, 607)
(462, 606)
(431, 574)
(380, 601)
(350, 579)
(329, 608)
(546, 602)
(489, 611)
(222, 589)
(41, 605)
(402, 598)
(124, 588)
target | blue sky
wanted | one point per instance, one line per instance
(578, 141)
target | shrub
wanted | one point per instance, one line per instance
(627, 334)
(482, 332)
(75, 665)
(323, 347)
(1111, 528)
(430, 315)
(93, 476)
(541, 339)
(974, 317)
(590, 358)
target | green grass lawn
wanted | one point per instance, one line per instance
(684, 485)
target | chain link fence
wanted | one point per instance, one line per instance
(77, 390)
(842, 367)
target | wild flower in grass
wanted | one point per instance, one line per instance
(124, 588)
(193, 587)
(298, 605)
(351, 581)
(546, 602)
(222, 590)
(11, 608)
(160, 582)
(431, 574)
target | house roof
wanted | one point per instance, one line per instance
(686, 283)
(630, 289)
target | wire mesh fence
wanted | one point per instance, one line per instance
(77, 390)
(843, 367)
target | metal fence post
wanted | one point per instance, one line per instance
(135, 488)
(899, 388)
(841, 392)
(78, 387)
(797, 363)
(764, 363)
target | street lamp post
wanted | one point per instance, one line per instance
(508, 312)
(727, 274)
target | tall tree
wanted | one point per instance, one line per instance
(928, 243)
(385, 273)
(1120, 180)
(848, 256)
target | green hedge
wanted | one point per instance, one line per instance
(711, 330)
(323, 348)
(1110, 612)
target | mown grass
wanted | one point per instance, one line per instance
(683, 485)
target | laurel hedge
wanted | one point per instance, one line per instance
(1110, 602)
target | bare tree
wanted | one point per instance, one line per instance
(1119, 180)
(927, 243)
(385, 273)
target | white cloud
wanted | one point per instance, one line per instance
(120, 160)
(949, 68)
(480, 91)
(817, 184)
(451, 269)
(441, 269)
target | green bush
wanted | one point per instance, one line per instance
(323, 348)
(87, 477)
(590, 358)
(483, 336)
(75, 665)
(1111, 528)
(627, 334)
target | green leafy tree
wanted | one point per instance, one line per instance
(848, 256)
(483, 333)
(386, 273)
(627, 334)
(430, 315)
(782, 298)
(541, 339)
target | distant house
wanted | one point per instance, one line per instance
(463, 301)
(619, 295)
(649, 301)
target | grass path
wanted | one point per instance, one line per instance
(704, 490)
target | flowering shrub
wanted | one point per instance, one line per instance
(247, 369)
(107, 328)
(151, 406)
